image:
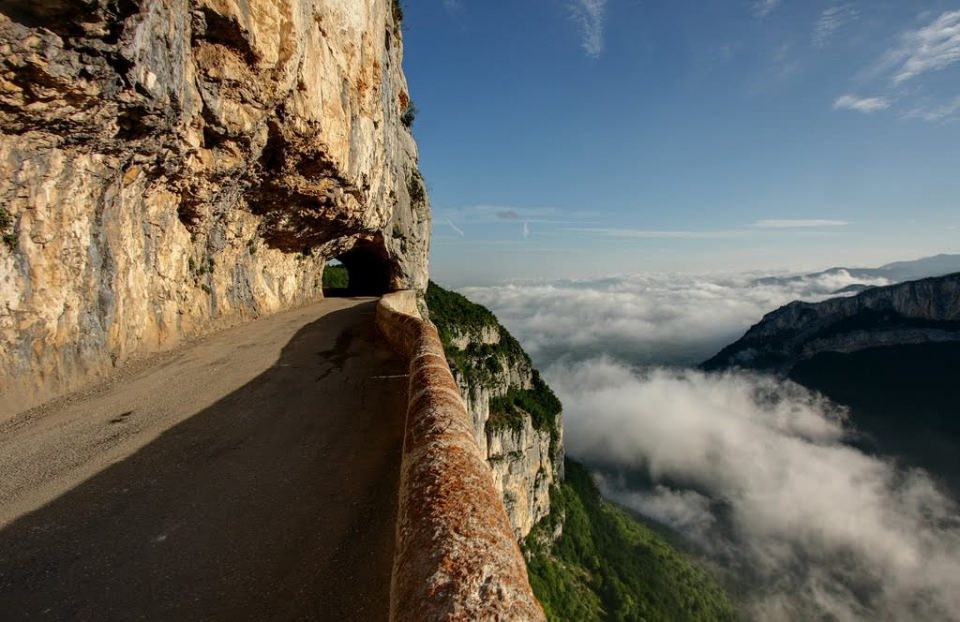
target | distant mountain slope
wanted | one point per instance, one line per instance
(896, 272)
(902, 397)
(891, 354)
(608, 565)
(925, 311)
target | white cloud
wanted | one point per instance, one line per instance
(945, 112)
(652, 234)
(645, 318)
(798, 224)
(931, 48)
(755, 471)
(591, 16)
(861, 104)
(452, 5)
(765, 7)
(500, 213)
(831, 20)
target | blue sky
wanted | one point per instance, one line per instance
(577, 138)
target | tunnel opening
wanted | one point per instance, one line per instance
(364, 270)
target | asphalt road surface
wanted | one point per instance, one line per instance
(250, 476)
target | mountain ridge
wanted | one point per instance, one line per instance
(922, 311)
(895, 272)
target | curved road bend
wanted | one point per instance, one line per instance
(250, 476)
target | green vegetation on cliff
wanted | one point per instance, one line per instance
(607, 565)
(455, 318)
(539, 401)
(455, 315)
(480, 363)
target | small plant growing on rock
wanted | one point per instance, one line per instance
(6, 223)
(409, 115)
(397, 13)
(415, 188)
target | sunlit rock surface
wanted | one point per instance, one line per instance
(170, 167)
(524, 469)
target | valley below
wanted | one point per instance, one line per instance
(828, 490)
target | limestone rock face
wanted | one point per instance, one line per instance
(526, 462)
(916, 312)
(171, 166)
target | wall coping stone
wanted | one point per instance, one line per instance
(456, 555)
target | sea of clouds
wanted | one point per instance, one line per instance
(759, 474)
(663, 319)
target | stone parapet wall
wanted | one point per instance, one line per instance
(456, 556)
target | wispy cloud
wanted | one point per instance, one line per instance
(457, 229)
(452, 5)
(591, 16)
(931, 48)
(656, 234)
(831, 20)
(475, 214)
(798, 224)
(946, 112)
(765, 7)
(861, 104)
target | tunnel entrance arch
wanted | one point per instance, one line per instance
(368, 268)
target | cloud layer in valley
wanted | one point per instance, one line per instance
(760, 475)
(756, 473)
(645, 318)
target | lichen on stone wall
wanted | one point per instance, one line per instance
(169, 167)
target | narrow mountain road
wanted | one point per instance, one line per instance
(250, 476)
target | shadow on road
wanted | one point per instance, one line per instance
(277, 502)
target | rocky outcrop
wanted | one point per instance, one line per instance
(171, 166)
(916, 312)
(497, 380)
(526, 462)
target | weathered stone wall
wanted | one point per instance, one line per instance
(171, 166)
(456, 556)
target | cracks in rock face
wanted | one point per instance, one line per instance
(226, 31)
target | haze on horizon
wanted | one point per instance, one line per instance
(577, 138)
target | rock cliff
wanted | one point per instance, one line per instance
(517, 420)
(916, 312)
(171, 166)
